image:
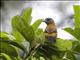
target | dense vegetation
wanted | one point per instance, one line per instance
(37, 47)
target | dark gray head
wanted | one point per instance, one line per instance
(48, 20)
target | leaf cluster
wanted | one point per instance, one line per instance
(38, 47)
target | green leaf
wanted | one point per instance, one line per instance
(44, 53)
(63, 45)
(39, 36)
(27, 15)
(76, 47)
(4, 56)
(75, 33)
(8, 49)
(36, 24)
(55, 58)
(13, 43)
(71, 55)
(77, 16)
(21, 26)
(18, 58)
(3, 34)
(47, 51)
(6, 36)
(18, 36)
(51, 49)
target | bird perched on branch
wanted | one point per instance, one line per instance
(51, 30)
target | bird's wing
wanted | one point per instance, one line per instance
(51, 30)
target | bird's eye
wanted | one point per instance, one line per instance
(48, 19)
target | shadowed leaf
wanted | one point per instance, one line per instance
(13, 43)
(8, 49)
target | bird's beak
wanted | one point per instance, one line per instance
(44, 21)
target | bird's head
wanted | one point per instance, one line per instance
(48, 20)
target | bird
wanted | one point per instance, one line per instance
(50, 30)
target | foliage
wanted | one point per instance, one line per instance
(75, 32)
(40, 48)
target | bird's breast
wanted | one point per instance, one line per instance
(50, 28)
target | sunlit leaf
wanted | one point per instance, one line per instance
(27, 15)
(36, 24)
(6, 36)
(4, 56)
(77, 16)
(63, 45)
(18, 36)
(3, 34)
(21, 26)
(75, 33)
(39, 36)
(55, 58)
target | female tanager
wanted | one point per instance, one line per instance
(51, 30)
